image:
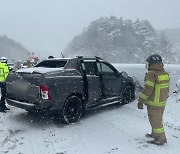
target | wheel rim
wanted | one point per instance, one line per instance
(128, 95)
(72, 110)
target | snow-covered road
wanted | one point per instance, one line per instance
(109, 130)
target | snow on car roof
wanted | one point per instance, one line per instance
(59, 59)
(41, 70)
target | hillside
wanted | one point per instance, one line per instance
(12, 50)
(174, 36)
(121, 40)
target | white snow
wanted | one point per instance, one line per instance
(38, 70)
(109, 130)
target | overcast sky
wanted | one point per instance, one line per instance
(48, 25)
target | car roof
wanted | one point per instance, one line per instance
(54, 59)
(77, 57)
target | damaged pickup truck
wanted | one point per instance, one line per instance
(70, 86)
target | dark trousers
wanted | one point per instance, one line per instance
(3, 94)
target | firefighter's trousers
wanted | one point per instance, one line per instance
(155, 115)
(3, 94)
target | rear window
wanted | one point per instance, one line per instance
(52, 64)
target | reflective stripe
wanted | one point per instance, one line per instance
(163, 77)
(1, 71)
(156, 101)
(2, 75)
(150, 83)
(158, 130)
(157, 94)
(6, 71)
(143, 96)
(164, 85)
(152, 103)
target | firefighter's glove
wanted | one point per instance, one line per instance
(140, 105)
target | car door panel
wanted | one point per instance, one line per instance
(111, 84)
(111, 80)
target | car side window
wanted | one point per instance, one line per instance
(106, 69)
(89, 67)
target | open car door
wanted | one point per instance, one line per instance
(93, 83)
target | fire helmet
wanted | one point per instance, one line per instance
(154, 59)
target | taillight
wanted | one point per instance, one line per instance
(45, 94)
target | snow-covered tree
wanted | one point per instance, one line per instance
(118, 40)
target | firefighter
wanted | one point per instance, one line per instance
(4, 71)
(154, 96)
(29, 63)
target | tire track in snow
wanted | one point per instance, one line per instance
(125, 135)
(9, 143)
(167, 124)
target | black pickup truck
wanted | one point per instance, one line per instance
(70, 86)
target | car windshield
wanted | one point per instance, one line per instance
(52, 64)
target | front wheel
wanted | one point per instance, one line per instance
(72, 110)
(127, 95)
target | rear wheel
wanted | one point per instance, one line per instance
(72, 110)
(128, 94)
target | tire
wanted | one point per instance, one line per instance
(72, 110)
(128, 95)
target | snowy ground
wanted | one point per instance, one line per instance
(110, 130)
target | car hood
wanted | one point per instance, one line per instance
(41, 70)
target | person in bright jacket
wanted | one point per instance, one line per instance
(4, 71)
(154, 96)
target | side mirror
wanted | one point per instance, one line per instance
(124, 74)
